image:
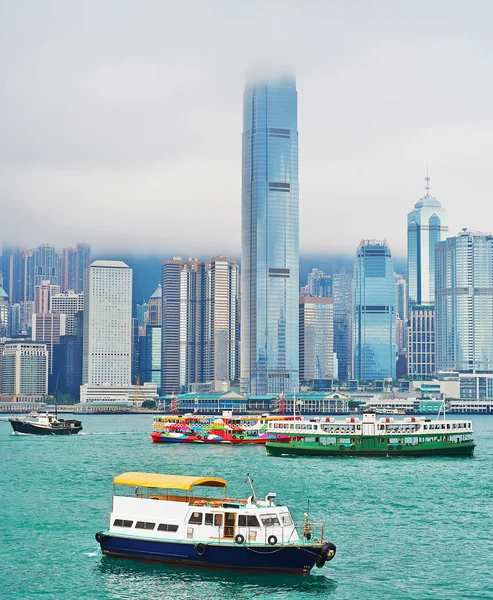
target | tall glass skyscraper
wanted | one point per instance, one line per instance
(374, 347)
(270, 238)
(464, 303)
(427, 225)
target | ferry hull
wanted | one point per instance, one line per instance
(20, 426)
(313, 449)
(160, 438)
(293, 559)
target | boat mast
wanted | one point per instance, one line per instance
(249, 480)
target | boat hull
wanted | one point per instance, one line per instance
(20, 426)
(161, 438)
(314, 449)
(293, 559)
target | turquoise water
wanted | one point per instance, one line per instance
(404, 528)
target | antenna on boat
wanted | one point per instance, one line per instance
(249, 480)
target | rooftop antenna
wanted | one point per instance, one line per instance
(427, 181)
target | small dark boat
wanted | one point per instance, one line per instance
(45, 424)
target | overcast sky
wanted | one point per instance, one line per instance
(120, 121)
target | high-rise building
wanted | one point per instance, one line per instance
(4, 313)
(150, 355)
(374, 347)
(464, 305)
(24, 371)
(427, 225)
(40, 264)
(343, 307)
(47, 328)
(107, 343)
(12, 268)
(68, 275)
(319, 284)
(69, 303)
(316, 338)
(199, 317)
(43, 294)
(27, 311)
(67, 366)
(401, 312)
(83, 258)
(270, 238)
(15, 327)
(421, 342)
(155, 307)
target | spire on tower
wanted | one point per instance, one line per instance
(427, 181)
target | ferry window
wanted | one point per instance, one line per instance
(209, 519)
(166, 527)
(248, 521)
(270, 520)
(218, 520)
(195, 518)
(143, 525)
(286, 519)
(122, 523)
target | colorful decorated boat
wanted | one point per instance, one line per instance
(411, 436)
(212, 430)
(190, 521)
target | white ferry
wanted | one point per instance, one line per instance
(188, 521)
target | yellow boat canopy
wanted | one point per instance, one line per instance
(170, 482)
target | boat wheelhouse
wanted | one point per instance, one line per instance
(386, 436)
(191, 521)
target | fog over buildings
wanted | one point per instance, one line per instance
(121, 122)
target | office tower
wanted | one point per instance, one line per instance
(12, 268)
(427, 225)
(142, 311)
(374, 348)
(68, 303)
(150, 355)
(47, 328)
(83, 252)
(270, 238)
(464, 306)
(24, 371)
(319, 284)
(68, 273)
(155, 307)
(107, 337)
(4, 313)
(343, 306)
(15, 327)
(27, 311)
(421, 342)
(40, 264)
(42, 296)
(316, 338)
(401, 312)
(218, 301)
(135, 370)
(67, 366)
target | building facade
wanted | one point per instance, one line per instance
(40, 264)
(155, 307)
(4, 314)
(464, 303)
(150, 355)
(47, 328)
(343, 308)
(24, 370)
(70, 304)
(12, 268)
(374, 346)
(107, 338)
(42, 296)
(316, 338)
(421, 342)
(270, 238)
(319, 284)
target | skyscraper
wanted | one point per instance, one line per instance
(24, 371)
(12, 268)
(4, 313)
(343, 307)
(319, 284)
(464, 305)
(83, 259)
(68, 274)
(107, 343)
(69, 303)
(155, 307)
(270, 238)
(43, 293)
(427, 225)
(40, 264)
(374, 348)
(316, 338)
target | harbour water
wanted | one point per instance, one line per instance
(404, 528)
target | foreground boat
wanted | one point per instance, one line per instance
(412, 436)
(45, 424)
(160, 518)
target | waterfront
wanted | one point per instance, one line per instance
(404, 528)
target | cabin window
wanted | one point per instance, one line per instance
(209, 519)
(166, 527)
(195, 518)
(270, 520)
(286, 519)
(248, 521)
(122, 523)
(218, 520)
(144, 525)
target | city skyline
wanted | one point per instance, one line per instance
(366, 127)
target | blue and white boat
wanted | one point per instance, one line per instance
(190, 521)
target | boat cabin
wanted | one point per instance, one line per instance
(158, 506)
